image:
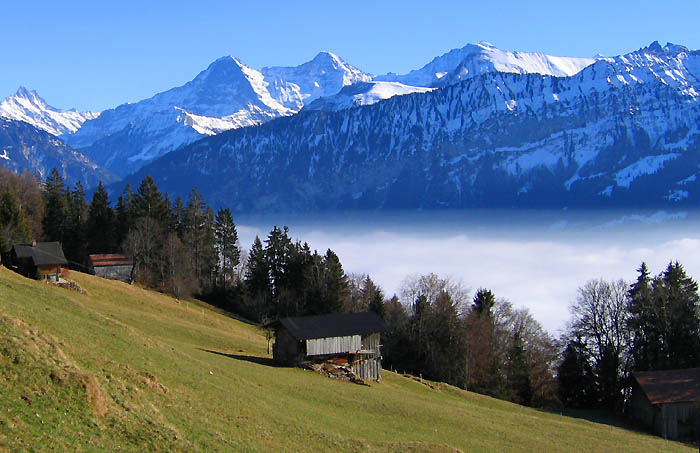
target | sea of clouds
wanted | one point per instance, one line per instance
(536, 260)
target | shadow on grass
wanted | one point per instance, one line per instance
(248, 358)
(605, 418)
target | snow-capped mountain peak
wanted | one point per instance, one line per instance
(475, 59)
(324, 75)
(26, 105)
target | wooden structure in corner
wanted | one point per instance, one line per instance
(111, 265)
(668, 402)
(352, 338)
(39, 259)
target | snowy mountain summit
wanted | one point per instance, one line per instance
(476, 59)
(227, 95)
(450, 68)
(28, 106)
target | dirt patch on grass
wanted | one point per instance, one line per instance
(94, 395)
(30, 347)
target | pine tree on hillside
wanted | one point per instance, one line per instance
(258, 280)
(518, 370)
(149, 202)
(101, 224)
(373, 297)
(335, 283)
(226, 244)
(124, 216)
(56, 209)
(278, 251)
(665, 320)
(13, 226)
(75, 236)
(484, 301)
(198, 238)
(643, 322)
(575, 377)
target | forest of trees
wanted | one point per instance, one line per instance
(480, 342)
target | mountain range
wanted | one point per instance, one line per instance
(477, 126)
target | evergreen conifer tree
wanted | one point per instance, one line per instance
(227, 244)
(575, 377)
(101, 224)
(149, 202)
(13, 225)
(56, 209)
(124, 217)
(75, 236)
(258, 281)
(335, 283)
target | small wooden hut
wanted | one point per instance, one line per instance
(39, 259)
(668, 402)
(350, 338)
(113, 266)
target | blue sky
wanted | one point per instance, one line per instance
(95, 55)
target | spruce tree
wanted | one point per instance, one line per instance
(56, 210)
(13, 225)
(75, 236)
(258, 281)
(278, 250)
(335, 283)
(124, 215)
(665, 320)
(149, 202)
(373, 297)
(199, 239)
(101, 224)
(518, 369)
(227, 244)
(484, 301)
(575, 377)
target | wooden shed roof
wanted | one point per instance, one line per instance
(110, 259)
(41, 253)
(333, 325)
(671, 386)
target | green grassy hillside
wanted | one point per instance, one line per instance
(125, 369)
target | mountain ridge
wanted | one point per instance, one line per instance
(622, 131)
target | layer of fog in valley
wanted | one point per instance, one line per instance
(535, 259)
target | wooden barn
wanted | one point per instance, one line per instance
(113, 266)
(39, 259)
(350, 338)
(668, 402)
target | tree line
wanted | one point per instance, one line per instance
(617, 328)
(480, 342)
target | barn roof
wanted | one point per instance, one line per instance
(110, 259)
(41, 253)
(334, 325)
(672, 386)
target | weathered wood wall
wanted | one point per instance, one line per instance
(122, 273)
(333, 345)
(368, 364)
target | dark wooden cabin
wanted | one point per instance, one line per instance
(668, 402)
(113, 266)
(352, 338)
(39, 259)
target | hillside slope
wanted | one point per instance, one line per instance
(122, 368)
